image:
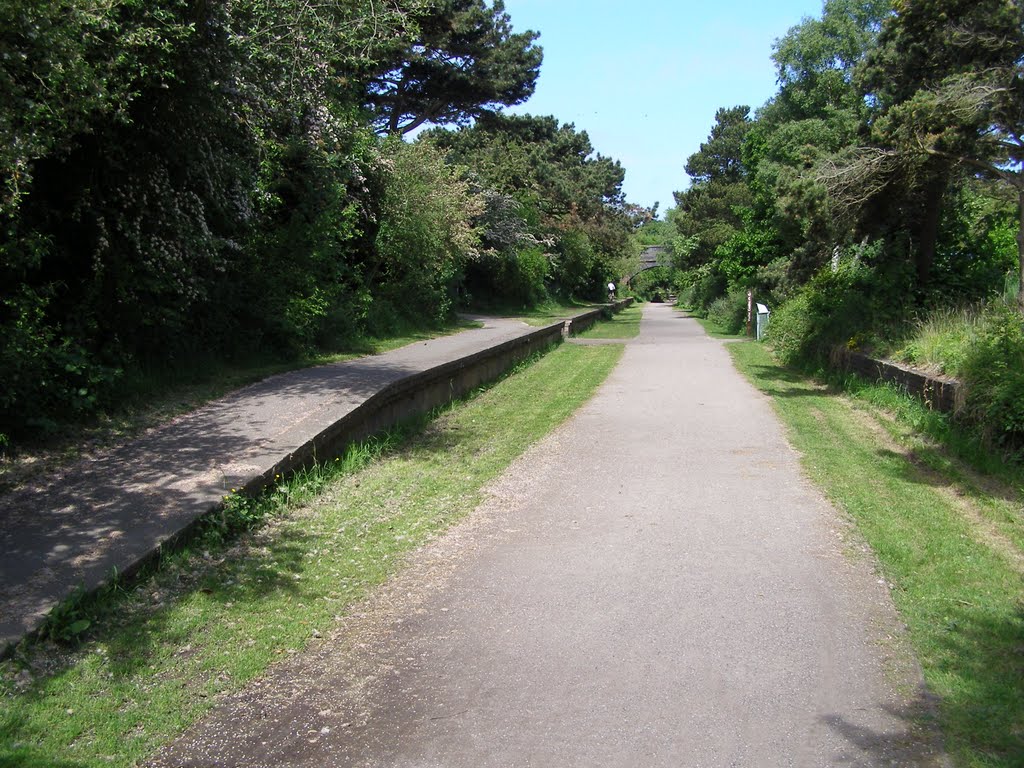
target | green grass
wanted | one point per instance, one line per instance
(950, 539)
(551, 312)
(623, 325)
(940, 341)
(217, 615)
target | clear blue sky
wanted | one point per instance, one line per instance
(644, 79)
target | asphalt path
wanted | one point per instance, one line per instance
(654, 584)
(108, 511)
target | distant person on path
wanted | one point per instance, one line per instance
(611, 291)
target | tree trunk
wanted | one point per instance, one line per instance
(929, 232)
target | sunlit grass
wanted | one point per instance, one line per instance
(216, 616)
(941, 340)
(950, 539)
(625, 324)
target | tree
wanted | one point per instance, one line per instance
(570, 196)
(175, 176)
(816, 59)
(707, 210)
(942, 78)
(426, 234)
(465, 62)
(816, 113)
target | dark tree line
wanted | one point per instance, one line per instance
(184, 178)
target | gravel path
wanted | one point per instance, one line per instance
(655, 584)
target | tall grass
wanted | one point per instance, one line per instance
(941, 339)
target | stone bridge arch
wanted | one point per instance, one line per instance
(651, 257)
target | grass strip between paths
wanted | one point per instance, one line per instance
(625, 324)
(949, 541)
(217, 615)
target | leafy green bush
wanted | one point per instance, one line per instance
(994, 374)
(729, 312)
(577, 268)
(850, 306)
(426, 233)
(790, 329)
(653, 284)
(48, 377)
(709, 284)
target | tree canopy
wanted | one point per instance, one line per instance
(189, 180)
(464, 62)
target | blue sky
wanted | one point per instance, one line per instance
(644, 79)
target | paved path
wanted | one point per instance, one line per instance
(109, 511)
(655, 584)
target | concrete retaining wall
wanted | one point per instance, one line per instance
(412, 396)
(422, 392)
(940, 394)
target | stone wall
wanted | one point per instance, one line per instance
(939, 393)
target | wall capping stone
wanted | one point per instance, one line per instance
(940, 393)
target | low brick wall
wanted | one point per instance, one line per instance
(940, 394)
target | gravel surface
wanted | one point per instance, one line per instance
(655, 584)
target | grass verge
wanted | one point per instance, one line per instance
(949, 539)
(215, 616)
(551, 312)
(625, 324)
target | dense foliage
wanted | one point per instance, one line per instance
(881, 181)
(181, 179)
(544, 186)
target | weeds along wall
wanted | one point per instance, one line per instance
(857, 309)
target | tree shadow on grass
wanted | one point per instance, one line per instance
(19, 746)
(136, 626)
(982, 661)
(913, 467)
(915, 740)
(782, 382)
(246, 576)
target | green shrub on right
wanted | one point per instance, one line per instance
(850, 306)
(729, 312)
(993, 371)
(854, 306)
